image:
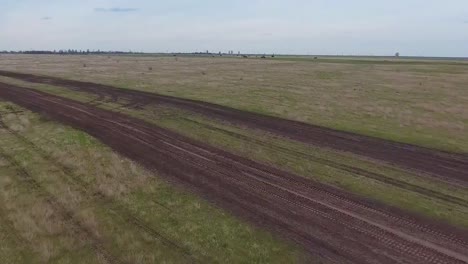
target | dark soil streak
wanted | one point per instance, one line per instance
(292, 154)
(449, 166)
(338, 226)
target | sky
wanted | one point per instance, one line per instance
(327, 27)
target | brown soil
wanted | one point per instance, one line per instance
(448, 166)
(328, 222)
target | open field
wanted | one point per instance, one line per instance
(360, 229)
(422, 103)
(341, 197)
(426, 160)
(66, 198)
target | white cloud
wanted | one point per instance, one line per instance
(116, 9)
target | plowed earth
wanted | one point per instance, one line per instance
(447, 166)
(328, 222)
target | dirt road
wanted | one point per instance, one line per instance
(449, 166)
(328, 222)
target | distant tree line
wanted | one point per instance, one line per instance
(69, 52)
(99, 52)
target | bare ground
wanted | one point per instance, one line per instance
(338, 226)
(448, 166)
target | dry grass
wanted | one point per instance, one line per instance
(202, 129)
(105, 194)
(36, 222)
(423, 103)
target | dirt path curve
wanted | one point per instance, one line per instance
(338, 226)
(448, 166)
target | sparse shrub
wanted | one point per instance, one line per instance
(203, 73)
(150, 68)
(84, 65)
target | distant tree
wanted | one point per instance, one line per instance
(397, 54)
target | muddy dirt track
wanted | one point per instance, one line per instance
(328, 222)
(450, 167)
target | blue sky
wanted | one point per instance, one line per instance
(357, 27)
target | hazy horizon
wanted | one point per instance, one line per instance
(413, 28)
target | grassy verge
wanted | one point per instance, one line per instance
(319, 164)
(71, 198)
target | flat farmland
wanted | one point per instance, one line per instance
(306, 160)
(419, 102)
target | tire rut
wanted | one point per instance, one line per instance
(444, 165)
(292, 154)
(339, 226)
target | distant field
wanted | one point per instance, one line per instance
(421, 102)
(91, 192)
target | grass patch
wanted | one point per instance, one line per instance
(72, 167)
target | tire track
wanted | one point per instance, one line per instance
(450, 167)
(399, 221)
(339, 226)
(293, 154)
